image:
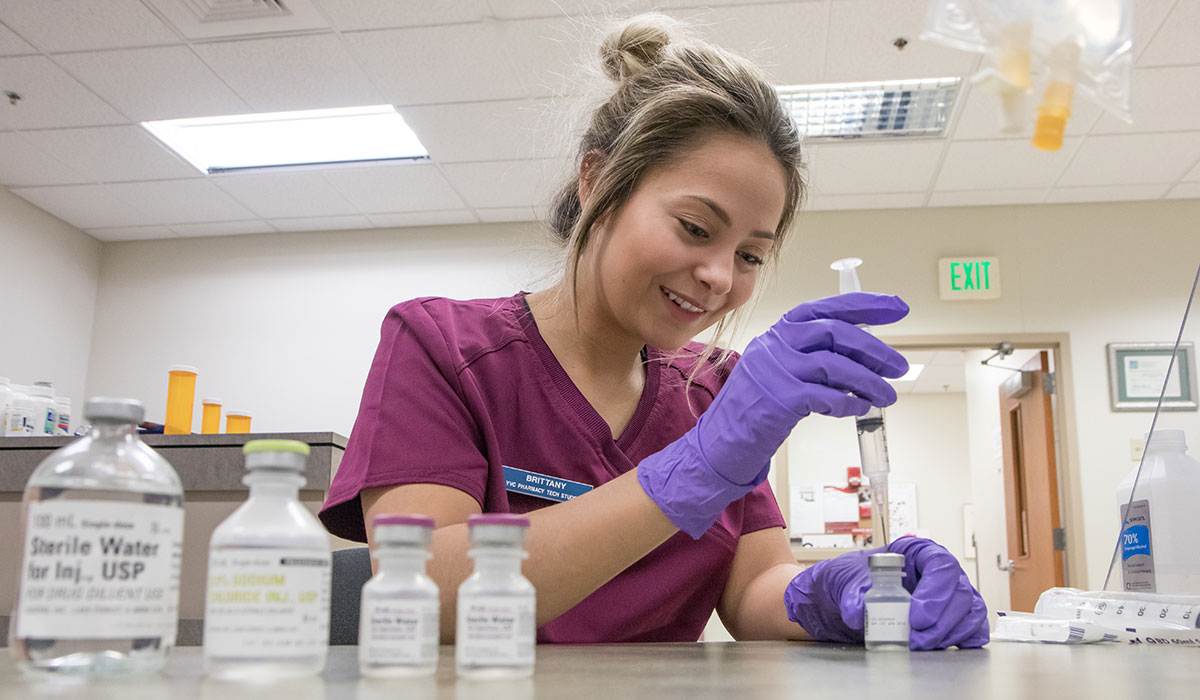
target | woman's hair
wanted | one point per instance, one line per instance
(672, 91)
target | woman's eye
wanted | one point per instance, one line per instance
(693, 229)
(751, 258)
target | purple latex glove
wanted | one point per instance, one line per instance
(826, 599)
(813, 360)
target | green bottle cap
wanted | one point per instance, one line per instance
(259, 446)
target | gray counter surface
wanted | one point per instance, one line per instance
(729, 671)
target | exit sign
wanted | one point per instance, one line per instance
(969, 278)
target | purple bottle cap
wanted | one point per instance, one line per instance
(415, 520)
(498, 519)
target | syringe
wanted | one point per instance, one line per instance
(872, 435)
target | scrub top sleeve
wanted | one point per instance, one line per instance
(414, 424)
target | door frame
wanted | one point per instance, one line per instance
(1070, 494)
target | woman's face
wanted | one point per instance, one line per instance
(688, 245)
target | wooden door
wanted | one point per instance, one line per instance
(1031, 483)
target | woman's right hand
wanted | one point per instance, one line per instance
(813, 360)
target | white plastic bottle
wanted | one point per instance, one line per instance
(99, 583)
(269, 565)
(6, 398)
(62, 409)
(21, 410)
(398, 627)
(45, 419)
(496, 623)
(1160, 536)
(887, 604)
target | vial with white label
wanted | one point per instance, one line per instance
(398, 626)
(495, 632)
(266, 612)
(99, 576)
(887, 603)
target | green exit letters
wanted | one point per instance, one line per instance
(969, 278)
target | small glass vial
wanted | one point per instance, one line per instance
(398, 627)
(887, 604)
(496, 624)
(103, 537)
(266, 611)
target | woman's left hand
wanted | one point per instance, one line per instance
(826, 599)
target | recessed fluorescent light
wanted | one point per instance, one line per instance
(893, 108)
(911, 375)
(291, 139)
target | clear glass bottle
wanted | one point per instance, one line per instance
(887, 603)
(269, 566)
(103, 538)
(398, 627)
(496, 623)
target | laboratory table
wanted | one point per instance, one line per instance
(725, 670)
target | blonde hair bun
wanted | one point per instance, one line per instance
(638, 44)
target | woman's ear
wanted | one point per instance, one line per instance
(589, 168)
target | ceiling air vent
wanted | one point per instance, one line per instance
(887, 109)
(232, 10)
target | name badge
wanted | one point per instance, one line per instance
(541, 486)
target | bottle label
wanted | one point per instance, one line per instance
(100, 570)
(1137, 556)
(20, 422)
(886, 622)
(495, 630)
(50, 424)
(64, 424)
(399, 631)
(267, 602)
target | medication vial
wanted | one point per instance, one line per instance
(887, 604)
(496, 606)
(398, 630)
(266, 613)
(103, 537)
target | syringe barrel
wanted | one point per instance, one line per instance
(872, 443)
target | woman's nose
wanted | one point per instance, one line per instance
(715, 272)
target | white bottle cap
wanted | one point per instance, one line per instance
(215, 402)
(38, 390)
(103, 409)
(247, 414)
(1166, 438)
(403, 530)
(62, 400)
(4, 381)
(183, 368)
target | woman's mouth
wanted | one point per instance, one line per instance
(682, 303)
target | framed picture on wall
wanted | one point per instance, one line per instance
(1136, 372)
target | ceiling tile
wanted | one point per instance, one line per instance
(112, 153)
(1175, 42)
(395, 188)
(80, 25)
(13, 45)
(383, 14)
(50, 97)
(286, 194)
(970, 198)
(501, 130)
(1109, 193)
(426, 65)
(322, 223)
(890, 200)
(881, 166)
(423, 218)
(222, 228)
(1164, 99)
(297, 72)
(979, 117)
(785, 40)
(517, 183)
(860, 47)
(84, 206)
(168, 82)
(1009, 163)
(1147, 20)
(554, 56)
(22, 164)
(1185, 190)
(181, 201)
(526, 9)
(1132, 159)
(500, 214)
(132, 233)
(1193, 174)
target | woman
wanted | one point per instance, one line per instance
(578, 404)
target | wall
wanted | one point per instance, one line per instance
(927, 446)
(48, 276)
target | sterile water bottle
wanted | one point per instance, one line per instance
(266, 613)
(1160, 534)
(496, 605)
(887, 603)
(99, 583)
(398, 626)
